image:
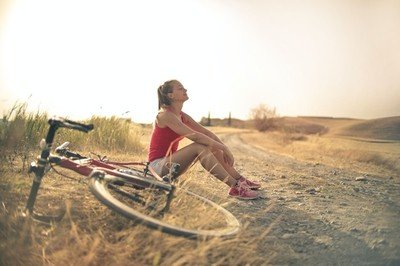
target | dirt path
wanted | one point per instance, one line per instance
(318, 214)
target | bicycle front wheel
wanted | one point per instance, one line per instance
(181, 213)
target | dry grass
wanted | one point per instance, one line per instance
(324, 140)
(91, 234)
(334, 151)
(21, 132)
(383, 129)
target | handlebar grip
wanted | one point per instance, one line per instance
(62, 122)
(78, 126)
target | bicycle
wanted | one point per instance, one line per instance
(132, 190)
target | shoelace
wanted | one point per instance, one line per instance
(248, 182)
(242, 185)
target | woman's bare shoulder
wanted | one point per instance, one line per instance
(164, 117)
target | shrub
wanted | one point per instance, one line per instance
(264, 117)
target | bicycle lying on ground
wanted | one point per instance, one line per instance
(132, 190)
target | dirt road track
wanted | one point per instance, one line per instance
(320, 215)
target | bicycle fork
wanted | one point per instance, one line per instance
(39, 169)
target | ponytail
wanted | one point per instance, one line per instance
(162, 92)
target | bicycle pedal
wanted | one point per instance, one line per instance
(166, 179)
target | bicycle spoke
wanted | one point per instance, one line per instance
(131, 195)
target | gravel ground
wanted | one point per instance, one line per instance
(314, 214)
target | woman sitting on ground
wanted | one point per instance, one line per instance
(171, 125)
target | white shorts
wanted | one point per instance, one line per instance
(157, 165)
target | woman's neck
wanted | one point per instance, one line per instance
(176, 108)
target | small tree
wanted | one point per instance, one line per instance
(264, 117)
(206, 121)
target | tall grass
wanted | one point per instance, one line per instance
(116, 134)
(19, 129)
(21, 132)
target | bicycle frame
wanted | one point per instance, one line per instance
(85, 166)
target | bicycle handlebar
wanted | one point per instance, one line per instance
(64, 151)
(62, 122)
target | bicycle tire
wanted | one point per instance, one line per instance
(102, 188)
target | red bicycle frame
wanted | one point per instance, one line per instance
(87, 166)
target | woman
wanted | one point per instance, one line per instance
(172, 125)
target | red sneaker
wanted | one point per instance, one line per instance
(242, 191)
(250, 184)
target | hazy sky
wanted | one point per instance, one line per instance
(78, 58)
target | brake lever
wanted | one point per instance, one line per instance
(101, 158)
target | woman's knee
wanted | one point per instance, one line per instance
(200, 148)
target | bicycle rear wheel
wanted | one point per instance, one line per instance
(187, 214)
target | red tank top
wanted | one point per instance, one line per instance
(163, 142)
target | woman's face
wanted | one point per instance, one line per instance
(179, 93)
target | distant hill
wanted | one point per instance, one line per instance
(387, 128)
(333, 125)
(218, 122)
(285, 124)
(302, 125)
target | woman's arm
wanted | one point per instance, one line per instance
(173, 122)
(199, 128)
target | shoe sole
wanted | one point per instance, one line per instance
(253, 187)
(243, 198)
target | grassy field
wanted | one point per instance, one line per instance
(378, 157)
(90, 234)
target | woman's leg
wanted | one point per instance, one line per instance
(230, 169)
(187, 155)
